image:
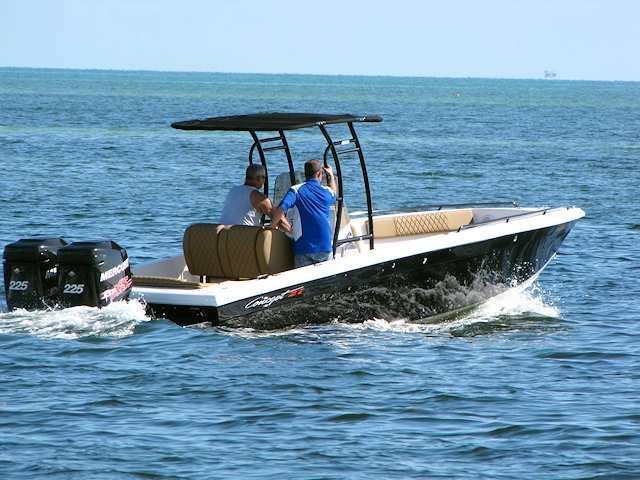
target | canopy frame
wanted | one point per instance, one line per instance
(279, 122)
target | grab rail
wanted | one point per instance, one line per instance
(542, 211)
(342, 241)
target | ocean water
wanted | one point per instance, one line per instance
(537, 383)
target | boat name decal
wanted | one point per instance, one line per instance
(112, 272)
(266, 301)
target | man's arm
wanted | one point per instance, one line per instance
(278, 218)
(278, 214)
(331, 179)
(261, 203)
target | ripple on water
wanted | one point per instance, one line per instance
(518, 388)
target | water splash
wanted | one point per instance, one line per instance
(508, 309)
(116, 320)
(517, 301)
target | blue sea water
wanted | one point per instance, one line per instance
(538, 384)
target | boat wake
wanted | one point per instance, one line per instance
(116, 320)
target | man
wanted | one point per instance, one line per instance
(245, 204)
(313, 242)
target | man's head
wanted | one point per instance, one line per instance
(255, 176)
(313, 169)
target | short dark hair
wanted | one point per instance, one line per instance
(253, 171)
(311, 167)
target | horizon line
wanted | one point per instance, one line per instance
(371, 75)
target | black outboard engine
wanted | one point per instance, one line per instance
(93, 273)
(30, 273)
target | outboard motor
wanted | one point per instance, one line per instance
(93, 273)
(30, 273)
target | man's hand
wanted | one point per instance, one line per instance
(278, 219)
(285, 225)
(331, 178)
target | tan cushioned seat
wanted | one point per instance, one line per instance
(273, 251)
(200, 247)
(420, 223)
(236, 251)
(382, 227)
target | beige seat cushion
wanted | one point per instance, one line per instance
(382, 227)
(237, 251)
(200, 247)
(273, 251)
(420, 223)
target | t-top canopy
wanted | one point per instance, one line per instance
(271, 121)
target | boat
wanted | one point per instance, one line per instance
(426, 264)
(422, 265)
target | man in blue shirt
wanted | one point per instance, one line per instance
(311, 229)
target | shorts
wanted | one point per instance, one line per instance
(304, 259)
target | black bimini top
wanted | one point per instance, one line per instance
(271, 121)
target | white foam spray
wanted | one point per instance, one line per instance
(525, 299)
(116, 320)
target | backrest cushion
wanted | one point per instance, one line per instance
(273, 251)
(200, 247)
(236, 250)
(420, 223)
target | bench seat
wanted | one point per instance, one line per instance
(235, 251)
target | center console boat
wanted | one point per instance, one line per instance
(419, 265)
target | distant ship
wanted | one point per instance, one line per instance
(550, 74)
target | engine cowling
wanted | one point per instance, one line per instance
(31, 273)
(93, 273)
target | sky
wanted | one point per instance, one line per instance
(578, 39)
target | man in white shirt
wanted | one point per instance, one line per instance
(245, 204)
